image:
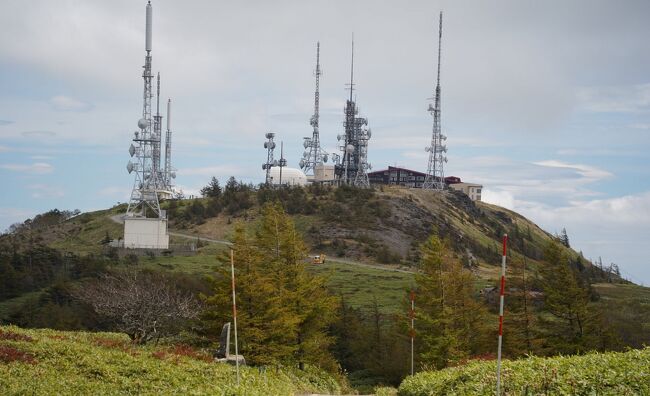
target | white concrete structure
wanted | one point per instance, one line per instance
(470, 189)
(145, 233)
(323, 173)
(290, 176)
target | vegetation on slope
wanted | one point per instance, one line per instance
(46, 362)
(612, 373)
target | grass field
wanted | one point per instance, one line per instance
(612, 373)
(360, 286)
(48, 362)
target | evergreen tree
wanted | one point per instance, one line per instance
(564, 238)
(575, 326)
(451, 323)
(519, 318)
(212, 190)
(284, 312)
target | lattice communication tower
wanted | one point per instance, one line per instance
(435, 178)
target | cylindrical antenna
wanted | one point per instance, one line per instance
(169, 110)
(158, 96)
(352, 69)
(148, 36)
(439, 46)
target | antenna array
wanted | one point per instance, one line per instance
(435, 178)
(150, 181)
(354, 166)
(313, 154)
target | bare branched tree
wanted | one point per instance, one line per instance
(143, 305)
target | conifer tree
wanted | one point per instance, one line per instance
(451, 323)
(284, 311)
(576, 325)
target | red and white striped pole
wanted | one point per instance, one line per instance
(412, 329)
(501, 296)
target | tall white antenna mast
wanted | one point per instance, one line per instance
(435, 178)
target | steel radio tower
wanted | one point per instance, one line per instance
(146, 147)
(313, 154)
(435, 178)
(354, 166)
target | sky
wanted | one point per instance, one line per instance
(547, 104)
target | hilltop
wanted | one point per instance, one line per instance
(384, 227)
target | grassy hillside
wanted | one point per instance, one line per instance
(626, 373)
(46, 362)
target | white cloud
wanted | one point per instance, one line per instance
(217, 171)
(44, 191)
(589, 172)
(504, 199)
(616, 99)
(66, 103)
(115, 191)
(37, 168)
(41, 157)
(14, 215)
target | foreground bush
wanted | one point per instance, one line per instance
(615, 373)
(48, 362)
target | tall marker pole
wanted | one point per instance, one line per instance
(501, 296)
(234, 311)
(412, 332)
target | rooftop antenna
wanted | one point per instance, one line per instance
(354, 165)
(314, 155)
(435, 178)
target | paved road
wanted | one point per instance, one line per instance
(120, 219)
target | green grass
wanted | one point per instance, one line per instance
(359, 286)
(48, 362)
(83, 234)
(13, 305)
(613, 373)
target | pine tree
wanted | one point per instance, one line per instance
(574, 326)
(451, 323)
(564, 238)
(284, 312)
(519, 318)
(212, 190)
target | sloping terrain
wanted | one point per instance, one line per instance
(612, 373)
(47, 362)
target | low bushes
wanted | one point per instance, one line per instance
(613, 373)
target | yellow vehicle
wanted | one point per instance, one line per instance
(320, 259)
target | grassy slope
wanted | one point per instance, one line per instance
(74, 363)
(83, 233)
(626, 373)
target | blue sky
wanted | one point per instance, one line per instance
(547, 105)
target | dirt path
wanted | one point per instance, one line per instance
(120, 220)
